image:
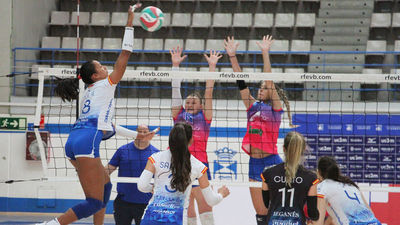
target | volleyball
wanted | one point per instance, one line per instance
(151, 18)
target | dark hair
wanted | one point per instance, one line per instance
(68, 89)
(181, 166)
(329, 169)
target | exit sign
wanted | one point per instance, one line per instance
(12, 123)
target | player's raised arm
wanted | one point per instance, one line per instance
(208, 94)
(176, 58)
(127, 47)
(231, 47)
(265, 46)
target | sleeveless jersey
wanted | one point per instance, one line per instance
(169, 205)
(286, 203)
(263, 124)
(346, 206)
(201, 131)
(97, 106)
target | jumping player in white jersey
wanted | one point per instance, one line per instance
(93, 126)
(174, 171)
(288, 186)
(341, 197)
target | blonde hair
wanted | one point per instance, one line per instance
(294, 147)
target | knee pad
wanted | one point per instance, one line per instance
(261, 219)
(107, 193)
(87, 208)
(192, 220)
(207, 218)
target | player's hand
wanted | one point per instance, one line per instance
(176, 56)
(131, 15)
(213, 58)
(147, 136)
(224, 191)
(266, 43)
(230, 46)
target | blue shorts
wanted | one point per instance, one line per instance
(83, 142)
(257, 166)
(148, 222)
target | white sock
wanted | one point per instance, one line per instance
(53, 222)
(192, 220)
(207, 218)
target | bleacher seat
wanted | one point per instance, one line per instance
(164, 68)
(252, 69)
(51, 42)
(136, 20)
(153, 44)
(222, 20)
(225, 69)
(300, 46)
(69, 42)
(284, 20)
(91, 43)
(145, 68)
(100, 18)
(294, 70)
(201, 20)
(395, 71)
(118, 18)
(372, 71)
(242, 19)
(397, 46)
(112, 43)
(242, 45)
(215, 44)
(173, 43)
(376, 46)
(204, 69)
(280, 45)
(396, 20)
(263, 20)
(305, 20)
(276, 70)
(83, 18)
(380, 20)
(181, 19)
(167, 19)
(138, 44)
(59, 18)
(194, 44)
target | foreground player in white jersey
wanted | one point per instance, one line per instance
(174, 171)
(93, 126)
(341, 196)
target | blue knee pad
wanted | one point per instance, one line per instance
(87, 208)
(107, 193)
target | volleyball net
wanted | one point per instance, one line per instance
(352, 117)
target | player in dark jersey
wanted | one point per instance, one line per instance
(288, 185)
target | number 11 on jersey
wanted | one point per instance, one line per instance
(291, 191)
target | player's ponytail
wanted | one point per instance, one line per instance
(68, 88)
(285, 100)
(329, 169)
(294, 147)
(181, 166)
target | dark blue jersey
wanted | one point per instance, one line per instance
(131, 162)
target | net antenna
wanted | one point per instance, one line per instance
(155, 112)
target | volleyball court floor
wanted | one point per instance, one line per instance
(31, 218)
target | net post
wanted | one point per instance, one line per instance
(36, 124)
